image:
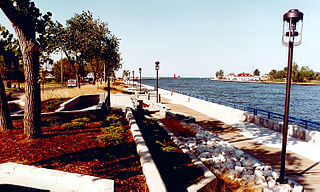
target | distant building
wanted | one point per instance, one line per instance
(265, 77)
(232, 77)
(244, 77)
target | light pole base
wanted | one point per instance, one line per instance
(282, 181)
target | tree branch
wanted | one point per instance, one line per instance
(10, 11)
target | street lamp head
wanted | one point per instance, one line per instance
(140, 70)
(157, 65)
(292, 27)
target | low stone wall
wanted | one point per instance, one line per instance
(295, 131)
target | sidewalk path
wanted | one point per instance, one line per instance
(302, 160)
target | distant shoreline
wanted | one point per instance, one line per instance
(270, 82)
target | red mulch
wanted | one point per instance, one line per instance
(76, 151)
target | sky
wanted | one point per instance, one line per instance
(197, 38)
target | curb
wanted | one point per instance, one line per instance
(149, 168)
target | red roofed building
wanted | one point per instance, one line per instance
(245, 77)
(232, 77)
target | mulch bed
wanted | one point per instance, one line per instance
(76, 151)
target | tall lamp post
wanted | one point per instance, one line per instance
(157, 79)
(292, 30)
(133, 78)
(129, 78)
(140, 70)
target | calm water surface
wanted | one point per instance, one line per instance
(304, 100)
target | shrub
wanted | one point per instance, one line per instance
(113, 119)
(76, 123)
(112, 135)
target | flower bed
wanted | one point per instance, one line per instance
(76, 149)
(175, 167)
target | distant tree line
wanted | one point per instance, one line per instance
(302, 74)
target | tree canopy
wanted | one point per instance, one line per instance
(302, 74)
(220, 74)
(88, 45)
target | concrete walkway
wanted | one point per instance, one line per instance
(302, 160)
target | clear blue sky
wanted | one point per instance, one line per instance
(197, 38)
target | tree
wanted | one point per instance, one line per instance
(68, 72)
(10, 56)
(256, 72)
(27, 21)
(220, 74)
(5, 120)
(75, 40)
(125, 74)
(307, 74)
(98, 48)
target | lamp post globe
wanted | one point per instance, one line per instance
(157, 63)
(291, 36)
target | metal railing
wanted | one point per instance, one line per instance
(311, 125)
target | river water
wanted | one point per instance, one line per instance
(304, 100)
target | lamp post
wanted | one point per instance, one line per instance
(129, 79)
(140, 70)
(157, 79)
(292, 20)
(133, 78)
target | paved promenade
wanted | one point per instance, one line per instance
(302, 160)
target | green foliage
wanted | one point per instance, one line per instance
(220, 74)
(112, 135)
(302, 74)
(166, 148)
(76, 123)
(112, 130)
(113, 119)
(10, 56)
(256, 72)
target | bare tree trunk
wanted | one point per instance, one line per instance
(25, 30)
(94, 78)
(78, 79)
(32, 109)
(5, 120)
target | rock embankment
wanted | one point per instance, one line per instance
(222, 158)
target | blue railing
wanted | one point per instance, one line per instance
(259, 112)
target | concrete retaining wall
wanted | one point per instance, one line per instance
(149, 168)
(51, 180)
(231, 116)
